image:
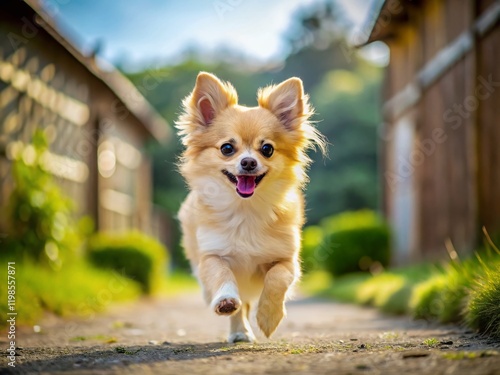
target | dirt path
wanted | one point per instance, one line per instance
(181, 336)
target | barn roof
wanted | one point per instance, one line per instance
(384, 17)
(124, 90)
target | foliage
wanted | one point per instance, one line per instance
(40, 217)
(483, 308)
(315, 282)
(425, 302)
(390, 291)
(76, 289)
(354, 242)
(311, 239)
(464, 292)
(132, 254)
(445, 296)
(351, 220)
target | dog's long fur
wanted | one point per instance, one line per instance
(244, 249)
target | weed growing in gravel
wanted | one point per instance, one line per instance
(431, 342)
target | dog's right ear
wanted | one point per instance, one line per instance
(209, 97)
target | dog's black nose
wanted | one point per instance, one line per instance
(248, 164)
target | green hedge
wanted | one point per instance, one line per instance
(40, 218)
(132, 254)
(311, 239)
(354, 242)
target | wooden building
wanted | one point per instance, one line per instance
(441, 133)
(96, 121)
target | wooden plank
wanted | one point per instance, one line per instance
(438, 62)
(489, 135)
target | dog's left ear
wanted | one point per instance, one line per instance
(209, 97)
(286, 101)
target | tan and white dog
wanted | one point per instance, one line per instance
(242, 220)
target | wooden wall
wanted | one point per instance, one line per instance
(488, 133)
(455, 157)
(42, 60)
(446, 182)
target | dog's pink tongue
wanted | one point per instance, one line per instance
(246, 184)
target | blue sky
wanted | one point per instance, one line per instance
(140, 32)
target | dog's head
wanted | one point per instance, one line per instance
(251, 151)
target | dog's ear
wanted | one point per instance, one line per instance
(286, 101)
(209, 97)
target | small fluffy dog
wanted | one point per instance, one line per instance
(242, 219)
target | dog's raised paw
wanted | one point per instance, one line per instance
(227, 306)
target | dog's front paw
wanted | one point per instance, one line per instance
(269, 316)
(241, 337)
(226, 305)
(226, 300)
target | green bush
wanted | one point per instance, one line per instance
(132, 254)
(426, 301)
(387, 291)
(311, 239)
(40, 219)
(354, 242)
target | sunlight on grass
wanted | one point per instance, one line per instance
(315, 282)
(386, 291)
(464, 291)
(377, 290)
(345, 288)
(77, 289)
(425, 301)
(483, 309)
(177, 283)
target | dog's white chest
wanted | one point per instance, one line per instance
(248, 240)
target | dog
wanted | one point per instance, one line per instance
(241, 221)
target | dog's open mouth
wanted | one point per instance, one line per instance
(245, 184)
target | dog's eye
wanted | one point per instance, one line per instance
(267, 150)
(227, 149)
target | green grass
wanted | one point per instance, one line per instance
(316, 282)
(76, 289)
(177, 283)
(389, 291)
(483, 308)
(465, 291)
(345, 288)
(432, 342)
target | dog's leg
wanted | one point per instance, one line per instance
(240, 326)
(271, 309)
(219, 285)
